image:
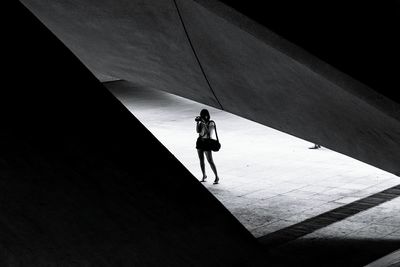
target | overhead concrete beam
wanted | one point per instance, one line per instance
(250, 73)
(140, 41)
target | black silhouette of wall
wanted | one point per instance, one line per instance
(83, 183)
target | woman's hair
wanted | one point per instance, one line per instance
(205, 114)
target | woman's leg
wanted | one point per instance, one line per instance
(202, 166)
(212, 165)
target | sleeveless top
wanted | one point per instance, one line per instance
(205, 129)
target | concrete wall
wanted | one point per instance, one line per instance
(251, 74)
(139, 41)
(357, 37)
(83, 183)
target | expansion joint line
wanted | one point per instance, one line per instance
(195, 54)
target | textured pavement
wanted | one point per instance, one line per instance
(269, 180)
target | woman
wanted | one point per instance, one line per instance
(205, 127)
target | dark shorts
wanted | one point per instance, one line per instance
(202, 144)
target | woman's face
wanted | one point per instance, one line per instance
(206, 117)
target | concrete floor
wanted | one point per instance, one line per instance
(269, 180)
(381, 222)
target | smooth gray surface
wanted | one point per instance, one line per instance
(140, 41)
(372, 96)
(144, 42)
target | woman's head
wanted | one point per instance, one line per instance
(205, 114)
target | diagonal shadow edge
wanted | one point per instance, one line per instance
(310, 225)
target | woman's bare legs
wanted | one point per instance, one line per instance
(212, 165)
(202, 166)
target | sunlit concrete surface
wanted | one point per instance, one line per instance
(269, 180)
(381, 223)
(359, 240)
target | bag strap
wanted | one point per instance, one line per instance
(216, 133)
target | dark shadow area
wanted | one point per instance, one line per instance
(331, 252)
(359, 38)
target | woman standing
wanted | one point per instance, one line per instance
(205, 127)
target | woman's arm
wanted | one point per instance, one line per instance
(211, 128)
(198, 127)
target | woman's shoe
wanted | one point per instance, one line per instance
(216, 181)
(204, 179)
